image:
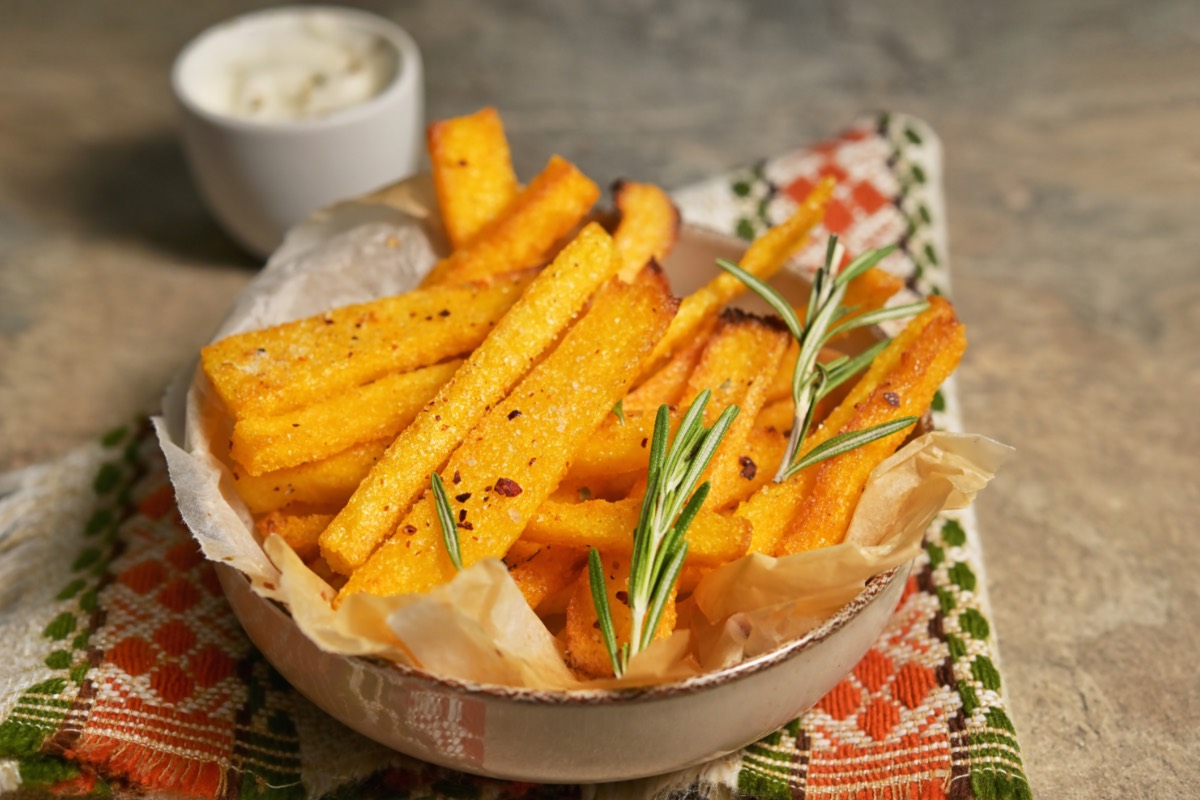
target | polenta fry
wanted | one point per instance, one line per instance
(737, 365)
(648, 228)
(511, 461)
(324, 484)
(548, 571)
(908, 390)
(521, 336)
(712, 538)
(586, 650)
(766, 256)
(379, 410)
(472, 172)
(525, 235)
(289, 366)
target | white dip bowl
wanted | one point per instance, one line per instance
(288, 110)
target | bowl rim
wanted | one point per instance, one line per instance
(873, 589)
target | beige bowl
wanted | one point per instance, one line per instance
(577, 736)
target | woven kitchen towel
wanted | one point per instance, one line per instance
(123, 671)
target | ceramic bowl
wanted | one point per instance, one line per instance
(259, 178)
(577, 736)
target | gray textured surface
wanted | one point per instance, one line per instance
(1073, 182)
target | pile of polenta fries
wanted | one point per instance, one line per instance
(527, 370)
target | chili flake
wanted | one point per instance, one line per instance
(507, 487)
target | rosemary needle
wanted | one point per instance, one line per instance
(446, 518)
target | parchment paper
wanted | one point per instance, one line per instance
(478, 627)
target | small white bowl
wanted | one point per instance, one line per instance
(259, 178)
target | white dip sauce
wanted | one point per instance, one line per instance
(306, 67)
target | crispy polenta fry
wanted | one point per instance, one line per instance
(737, 365)
(763, 450)
(379, 410)
(511, 461)
(525, 235)
(780, 415)
(548, 571)
(295, 364)
(327, 483)
(666, 385)
(585, 645)
(771, 509)
(472, 172)
(648, 228)
(616, 447)
(300, 531)
(870, 291)
(519, 339)
(712, 538)
(907, 390)
(766, 256)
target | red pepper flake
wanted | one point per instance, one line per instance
(466, 526)
(749, 468)
(892, 399)
(514, 413)
(445, 312)
(462, 498)
(507, 487)
(457, 478)
(410, 529)
(295, 424)
(462, 514)
(623, 596)
(644, 441)
(532, 460)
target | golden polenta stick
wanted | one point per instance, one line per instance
(520, 338)
(758, 460)
(772, 508)
(737, 365)
(616, 447)
(511, 461)
(586, 651)
(766, 256)
(472, 172)
(327, 483)
(834, 490)
(295, 364)
(548, 571)
(712, 538)
(300, 531)
(378, 410)
(648, 228)
(525, 235)
(666, 385)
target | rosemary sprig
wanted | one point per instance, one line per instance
(825, 317)
(445, 515)
(668, 508)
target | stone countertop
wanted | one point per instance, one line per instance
(1073, 188)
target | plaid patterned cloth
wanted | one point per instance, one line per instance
(124, 673)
